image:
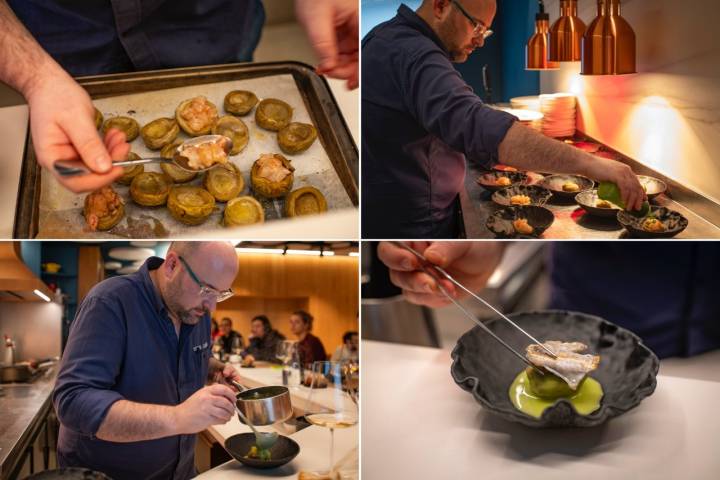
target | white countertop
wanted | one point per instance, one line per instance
(417, 423)
(314, 441)
(13, 132)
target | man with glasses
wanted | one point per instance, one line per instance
(420, 120)
(130, 393)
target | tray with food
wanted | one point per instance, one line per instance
(236, 145)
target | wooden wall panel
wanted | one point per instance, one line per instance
(276, 285)
(90, 270)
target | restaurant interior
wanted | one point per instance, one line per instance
(43, 283)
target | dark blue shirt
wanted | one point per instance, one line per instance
(109, 36)
(123, 345)
(666, 294)
(419, 121)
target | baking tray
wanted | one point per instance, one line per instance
(333, 134)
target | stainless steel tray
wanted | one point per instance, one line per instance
(333, 133)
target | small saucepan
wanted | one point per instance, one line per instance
(264, 405)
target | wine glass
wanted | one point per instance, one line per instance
(330, 402)
(286, 353)
(217, 348)
(237, 345)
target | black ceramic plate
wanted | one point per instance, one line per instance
(627, 368)
(589, 198)
(653, 186)
(673, 222)
(555, 183)
(538, 195)
(489, 179)
(281, 453)
(501, 221)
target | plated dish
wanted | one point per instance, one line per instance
(520, 195)
(565, 187)
(520, 221)
(626, 369)
(497, 180)
(282, 452)
(660, 222)
(594, 205)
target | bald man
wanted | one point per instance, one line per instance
(131, 394)
(420, 120)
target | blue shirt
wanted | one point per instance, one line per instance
(419, 121)
(123, 345)
(666, 294)
(109, 36)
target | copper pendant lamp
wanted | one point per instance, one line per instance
(608, 46)
(566, 34)
(536, 51)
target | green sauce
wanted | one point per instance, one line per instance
(585, 400)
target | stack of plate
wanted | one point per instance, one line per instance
(559, 111)
(528, 118)
(526, 103)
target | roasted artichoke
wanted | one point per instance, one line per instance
(272, 175)
(224, 182)
(296, 137)
(159, 132)
(235, 129)
(98, 119)
(305, 201)
(196, 116)
(243, 211)
(190, 205)
(127, 125)
(132, 171)
(240, 102)
(103, 209)
(273, 114)
(173, 172)
(150, 189)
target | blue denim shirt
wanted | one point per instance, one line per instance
(665, 294)
(420, 120)
(110, 36)
(123, 345)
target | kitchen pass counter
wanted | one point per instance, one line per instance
(417, 423)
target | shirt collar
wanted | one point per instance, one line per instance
(414, 20)
(152, 263)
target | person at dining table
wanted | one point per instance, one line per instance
(666, 293)
(310, 348)
(43, 44)
(131, 390)
(421, 121)
(263, 341)
(349, 350)
(228, 336)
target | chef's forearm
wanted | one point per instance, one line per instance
(527, 149)
(23, 62)
(128, 421)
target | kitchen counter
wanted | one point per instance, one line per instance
(417, 423)
(23, 406)
(314, 441)
(571, 221)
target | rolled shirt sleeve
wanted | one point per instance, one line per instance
(447, 107)
(90, 365)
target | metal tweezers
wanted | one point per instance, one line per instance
(438, 272)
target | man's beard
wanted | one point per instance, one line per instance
(174, 293)
(457, 53)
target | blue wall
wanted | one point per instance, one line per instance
(504, 51)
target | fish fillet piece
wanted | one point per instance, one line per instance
(570, 364)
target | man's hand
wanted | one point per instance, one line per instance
(63, 128)
(212, 405)
(333, 26)
(622, 175)
(470, 263)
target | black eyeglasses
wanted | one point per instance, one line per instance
(205, 289)
(479, 28)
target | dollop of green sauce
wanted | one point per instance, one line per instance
(586, 399)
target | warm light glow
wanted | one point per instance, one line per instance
(259, 250)
(354, 254)
(311, 252)
(656, 129)
(41, 295)
(577, 85)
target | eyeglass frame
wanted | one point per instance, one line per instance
(205, 289)
(476, 23)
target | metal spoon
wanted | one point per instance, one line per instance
(68, 168)
(264, 440)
